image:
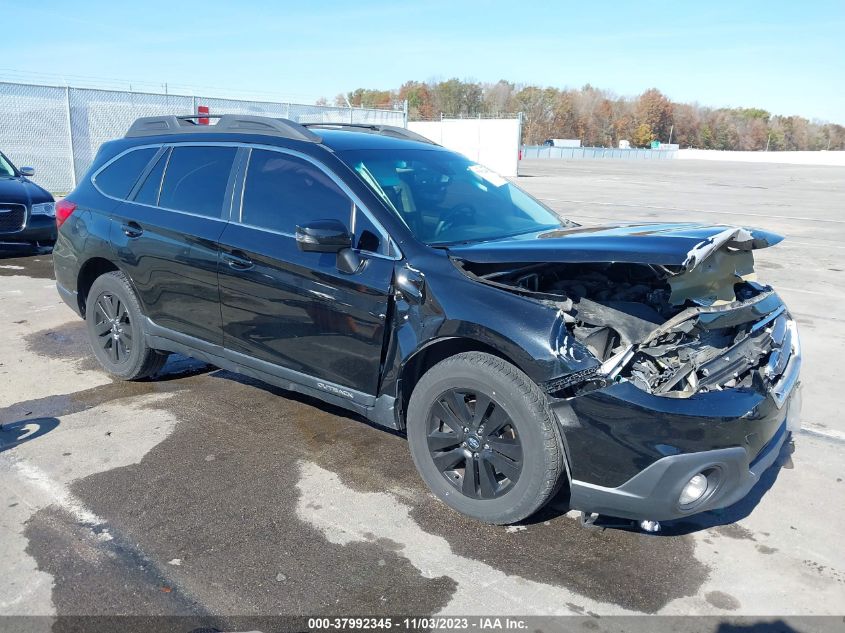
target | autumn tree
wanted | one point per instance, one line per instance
(420, 102)
(643, 135)
(655, 111)
(598, 117)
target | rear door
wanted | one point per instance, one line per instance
(166, 236)
(295, 309)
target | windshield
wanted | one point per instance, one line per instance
(6, 169)
(445, 198)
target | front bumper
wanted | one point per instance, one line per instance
(654, 493)
(631, 453)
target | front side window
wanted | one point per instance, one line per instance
(119, 177)
(196, 179)
(282, 192)
(445, 198)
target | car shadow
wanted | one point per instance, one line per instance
(10, 251)
(14, 434)
(178, 367)
(775, 626)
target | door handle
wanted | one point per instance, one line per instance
(132, 229)
(237, 262)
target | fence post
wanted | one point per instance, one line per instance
(405, 114)
(70, 138)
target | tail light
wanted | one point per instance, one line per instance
(63, 210)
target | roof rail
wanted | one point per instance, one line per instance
(387, 130)
(226, 124)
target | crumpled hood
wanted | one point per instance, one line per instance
(22, 191)
(674, 244)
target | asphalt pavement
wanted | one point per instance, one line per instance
(204, 492)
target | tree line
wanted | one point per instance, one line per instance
(599, 118)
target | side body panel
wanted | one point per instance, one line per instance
(173, 265)
(296, 309)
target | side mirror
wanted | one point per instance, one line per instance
(323, 236)
(29, 172)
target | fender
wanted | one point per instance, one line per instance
(526, 332)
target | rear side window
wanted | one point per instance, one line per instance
(118, 178)
(148, 193)
(283, 191)
(196, 178)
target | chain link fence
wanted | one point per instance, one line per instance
(58, 130)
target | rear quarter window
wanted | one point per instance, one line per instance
(119, 177)
(148, 192)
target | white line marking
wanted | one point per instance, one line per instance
(830, 434)
(807, 292)
(58, 494)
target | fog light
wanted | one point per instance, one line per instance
(650, 526)
(694, 490)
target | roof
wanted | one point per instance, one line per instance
(345, 139)
(336, 136)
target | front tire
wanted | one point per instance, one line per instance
(483, 438)
(113, 319)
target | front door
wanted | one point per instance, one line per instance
(292, 308)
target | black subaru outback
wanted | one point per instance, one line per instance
(639, 369)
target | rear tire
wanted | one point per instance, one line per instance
(113, 319)
(483, 438)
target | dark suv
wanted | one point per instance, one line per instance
(638, 369)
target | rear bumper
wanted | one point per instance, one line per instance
(69, 297)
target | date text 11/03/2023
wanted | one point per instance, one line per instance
(418, 623)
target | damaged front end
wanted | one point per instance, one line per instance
(672, 330)
(695, 363)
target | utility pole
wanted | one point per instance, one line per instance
(768, 138)
(671, 129)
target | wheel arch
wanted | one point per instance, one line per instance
(88, 273)
(428, 355)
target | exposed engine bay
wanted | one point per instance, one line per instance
(671, 330)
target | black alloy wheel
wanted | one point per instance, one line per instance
(114, 321)
(113, 327)
(474, 444)
(483, 438)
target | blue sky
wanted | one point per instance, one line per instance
(787, 57)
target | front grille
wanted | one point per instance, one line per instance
(569, 380)
(12, 217)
